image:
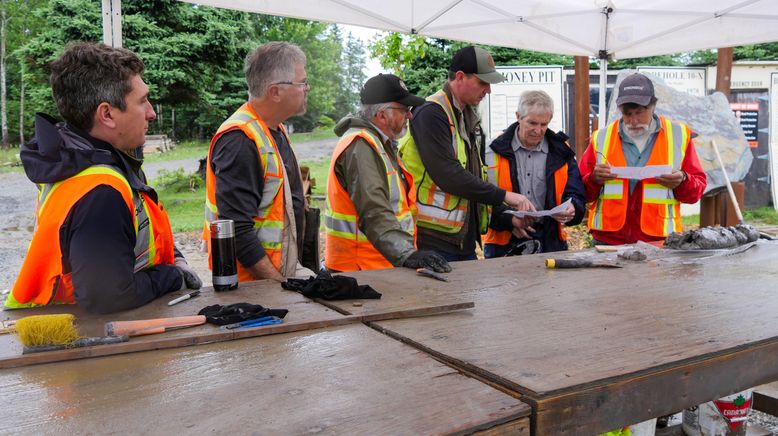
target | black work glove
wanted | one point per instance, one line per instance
(191, 280)
(427, 259)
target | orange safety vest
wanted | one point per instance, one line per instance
(660, 211)
(42, 279)
(499, 173)
(347, 248)
(269, 220)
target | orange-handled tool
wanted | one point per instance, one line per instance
(151, 326)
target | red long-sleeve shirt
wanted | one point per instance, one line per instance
(689, 191)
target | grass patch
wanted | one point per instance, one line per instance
(690, 221)
(319, 169)
(764, 215)
(9, 160)
(183, 194)
(323, 133)
(184, 150)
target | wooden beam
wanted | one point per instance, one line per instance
(581, 106)
(724, 71)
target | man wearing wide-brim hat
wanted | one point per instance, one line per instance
(624, 211)
(368, 219)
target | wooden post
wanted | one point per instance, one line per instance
(581, 106)
(724, 71)
(716, 209)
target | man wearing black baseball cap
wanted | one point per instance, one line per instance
(368, 220)
(443, 153)
(624, 211)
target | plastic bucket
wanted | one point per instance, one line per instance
(727, 416)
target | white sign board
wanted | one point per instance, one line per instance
(691, 80)
(774, 137)
(498, 110)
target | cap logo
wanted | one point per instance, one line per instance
(402, 85)
(640, 88)
(489, 60)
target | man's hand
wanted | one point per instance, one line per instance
(518, 201)
(427, 259)
(191, 280)
(602, 173)
(672, 180)
(521, 227)
(565, 216)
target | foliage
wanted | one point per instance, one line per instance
(178, 180)
(766, 215)
(194, 58)
(352, 76)
(185, 209)
(423, 62)
(184, 150)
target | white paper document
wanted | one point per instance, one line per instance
(640, 173)
(537, 214)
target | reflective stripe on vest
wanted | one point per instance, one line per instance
(347, 248)
(437, 209)
(269, 219)
(660, 211)
(42, 280)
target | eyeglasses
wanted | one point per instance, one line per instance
(405, 109)
(304, 83)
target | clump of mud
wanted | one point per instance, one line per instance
(709, 238)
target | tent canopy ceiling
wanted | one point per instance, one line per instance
(620, 28)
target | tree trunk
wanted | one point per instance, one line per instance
(21, 101)
(3, 103)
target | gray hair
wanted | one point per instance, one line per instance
(271, 63)
(535, 101)
(368, 111)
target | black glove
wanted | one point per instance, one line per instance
(427, 259)
(191, 280)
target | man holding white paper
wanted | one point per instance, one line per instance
(535, 162)
(626, 210)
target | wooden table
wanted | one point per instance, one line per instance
(343, 380)
(347, 379)
(589, 349)
(595, 349)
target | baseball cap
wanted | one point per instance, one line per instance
(475, 60)
(387, 88)
(637, 89)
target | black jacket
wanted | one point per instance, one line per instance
(97, 238)
(558, 155)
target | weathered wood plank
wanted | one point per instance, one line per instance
(314, 319)
(766, 398)
(346, 380)
(211, 334)
(567, 334)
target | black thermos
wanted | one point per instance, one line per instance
(224, 263)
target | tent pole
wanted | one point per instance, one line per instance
(602, 113)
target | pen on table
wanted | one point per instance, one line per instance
(183, 298)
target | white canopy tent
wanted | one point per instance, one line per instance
(604, 29)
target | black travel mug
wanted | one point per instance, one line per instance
(223, 261)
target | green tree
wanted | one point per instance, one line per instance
(423, 62)
(17, 24)
(352, 65)
(194, 57)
